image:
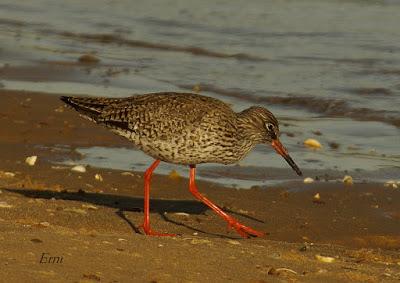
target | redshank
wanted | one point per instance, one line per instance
(188, 129)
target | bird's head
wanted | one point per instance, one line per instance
(264, 128)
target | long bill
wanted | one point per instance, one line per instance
(276, 144)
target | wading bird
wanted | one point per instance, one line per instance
(187, 129)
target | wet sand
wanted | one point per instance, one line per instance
(47, 210)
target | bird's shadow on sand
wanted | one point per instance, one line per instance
(127, 203)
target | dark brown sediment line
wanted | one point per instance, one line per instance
(387, 72)
(198, 51)
(326, 107)
(369, 91)
(353, 61)
(51, 71)
(20, 24)
(12, 23)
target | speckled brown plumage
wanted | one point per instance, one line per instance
(181, 128)
(185, 128)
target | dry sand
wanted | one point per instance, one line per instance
(91, 227)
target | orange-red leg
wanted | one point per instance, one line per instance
(146, 222)
(243, 230)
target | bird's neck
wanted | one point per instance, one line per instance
(249, 126)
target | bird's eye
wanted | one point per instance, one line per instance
(270, 127)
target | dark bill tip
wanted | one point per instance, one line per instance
(276, 144)
(293, 165)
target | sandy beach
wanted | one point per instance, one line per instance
(88, 228)
(331, 75)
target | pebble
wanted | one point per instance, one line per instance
(392, 183)
(233, 242)
(98, 177)
(275, 255)
(326, 259)
(31, 160)
(308, 180)
(79, 168)
(199, 241)
(59, 167)
(6, 174)
(196, 88)
(312, 143)
(44, 224)
(317, 199)
(4, 204)
(279, 270)
(334, 145)
(59, 109)
(88, 58)
(76, 210)
(182, 214)
(348, 180)
(174, 175)
(90, 206)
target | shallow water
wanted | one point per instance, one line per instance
(252, 171)
(331, 66)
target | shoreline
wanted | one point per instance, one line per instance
(93, 224)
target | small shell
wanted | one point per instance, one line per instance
(182, 214)
(348, 180)
(326, 259)
(31, 160)
(317, 199)
(392, 184)
(200, 241)
(196, 88)
(312, 143)
(4, 204)
(388, 184)
(88, 58)
(76, 210)
(174, 175)
(234, 242)
(59, 109)
(6, 174)
(79, 168)
(44, 224)
(90, 206)
(308, 180)
(98, 177)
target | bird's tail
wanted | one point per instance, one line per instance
(89, 107)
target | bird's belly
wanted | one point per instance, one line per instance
(182, 151)
(190, 147)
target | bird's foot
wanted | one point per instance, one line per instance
(244, 231)
(150, 232)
